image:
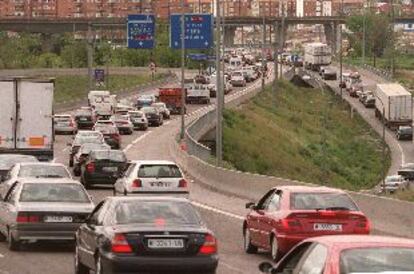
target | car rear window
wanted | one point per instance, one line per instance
(377, 260)
(7, 161)
(322, 200)
(49, 192)
(136, 115)
(43, 171)
(113, 155)
(83, 117)
(87, 148)
(156, 212)
(159, 171)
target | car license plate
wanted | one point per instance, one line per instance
(160, 184)
(165, 243)
(58, 219)
(110, 169)
(327, 227)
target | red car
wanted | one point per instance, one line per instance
(286, 215)
(347, 254)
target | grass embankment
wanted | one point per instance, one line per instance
(73, 87)
(282, 135)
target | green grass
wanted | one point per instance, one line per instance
(76, 87)
(281, 135)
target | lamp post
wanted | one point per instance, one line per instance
(220, 93)
(340, 51)
(182, 70)
(383, 140)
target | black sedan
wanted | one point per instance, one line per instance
(154, 117)
(103, 167)
(135, 234)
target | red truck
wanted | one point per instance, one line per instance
(172, 99)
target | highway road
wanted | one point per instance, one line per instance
(401, 151)
(223, 214)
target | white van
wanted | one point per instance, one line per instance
(94, 93)
(235, 63)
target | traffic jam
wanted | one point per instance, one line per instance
(147, 221)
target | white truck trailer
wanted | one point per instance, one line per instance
(197, 93)
(393, 103)
(316, 55)
(26, 116)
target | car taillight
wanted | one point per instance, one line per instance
(210, 245)
(137, 183)
(290, 224)
(120, 244)
(182, 183)
(115, 136)
(363, 226)
(27, 218)
(90, 167)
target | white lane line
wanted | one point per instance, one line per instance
(1, 255)
(65, 149)
(402, 153)
(141, 137)
(54, 160)
(127, 148)
(219, 211)
(231, 267)
(166, 123)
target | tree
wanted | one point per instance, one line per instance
(377, 35)
(75, 54)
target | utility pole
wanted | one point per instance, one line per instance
(364, 41)
(182, 70)
(275, 50)
(392, 39)
(90, 55)
(263, 55)
(340, 50)
(282, 42)
(220, 93)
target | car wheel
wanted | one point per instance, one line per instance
(76, 172)
(70, 162)
(98, 265)
(85, 183)
(79, 267)
(125, 192)
(248, 247)
(12, 243)
(274, 249)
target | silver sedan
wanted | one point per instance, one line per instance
(43, 209)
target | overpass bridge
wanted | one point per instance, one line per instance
(62, 25)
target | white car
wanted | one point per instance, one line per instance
(394, 183)
(237, 79)
(64, 123)
(104, 122)
(34, 170)
(152, 177)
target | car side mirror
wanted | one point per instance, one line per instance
(250, 205)
(265, 267)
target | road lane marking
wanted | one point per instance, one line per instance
(1, 256)
(219, 211)
(141, 137)
(231, 267)
(54, 160)
(166, 123)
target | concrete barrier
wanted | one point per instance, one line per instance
(389, 216)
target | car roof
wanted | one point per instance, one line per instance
(48, 180)
(147, 198)
(152, 162)
(360, 241)
(311, 189)
(41, 164)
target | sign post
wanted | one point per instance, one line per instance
(99, 77)
(141, 31)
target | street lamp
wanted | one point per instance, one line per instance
(383, 140)
(340, 50)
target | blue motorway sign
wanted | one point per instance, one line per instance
(99, 75)
(198, 31)
(201, 57)
(141, 31)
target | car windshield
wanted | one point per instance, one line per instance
(87, 139)
(50, 192)
(406, 130)
(377, 260)
(394, 179)
(61, 119)
(112, 155)
(148, 109)
(159, 213)
(136, 114)
(43, 171)
(7, 161)
(322, 200)
(159, 171)
(86, 148)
